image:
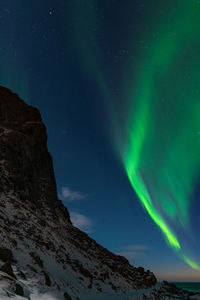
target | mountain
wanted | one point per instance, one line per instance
(42, 255)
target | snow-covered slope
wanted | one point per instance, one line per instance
(42, 255)
(50, 255)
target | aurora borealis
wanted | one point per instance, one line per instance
(162, 121)
(162, 152)
(118, 85)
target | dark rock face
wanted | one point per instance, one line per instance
(26, 166)
(7, 268)
(19, 290)
(6, 255)
(47, 279)
(67, 296)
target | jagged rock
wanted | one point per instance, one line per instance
(47, 279)
(170, 291)
(27, 167)
(7, 268)
(22, 275)
(19, 290)
(6, 255)
(67, 296)
(36, 259)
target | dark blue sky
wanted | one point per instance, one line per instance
(48, 55)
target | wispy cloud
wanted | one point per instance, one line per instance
(70, 195)
(81, 221)
(131, 254)
(135, 247)
(133, 251)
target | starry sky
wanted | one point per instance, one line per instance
(118, 87)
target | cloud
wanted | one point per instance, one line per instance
(136, 247)
(81, 221)
(131, 254)
(70, 195)
(133, 251)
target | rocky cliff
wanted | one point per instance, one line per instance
(41, 253)
(26, 165)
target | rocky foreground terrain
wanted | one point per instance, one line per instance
(42, 255)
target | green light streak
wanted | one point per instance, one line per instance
(191, 263)
(138, 134)
(146, 201)
(158, 158)
(163, 120)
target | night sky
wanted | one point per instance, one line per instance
(118, 87)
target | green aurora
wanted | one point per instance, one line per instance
(161, 153)
(159, 143)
